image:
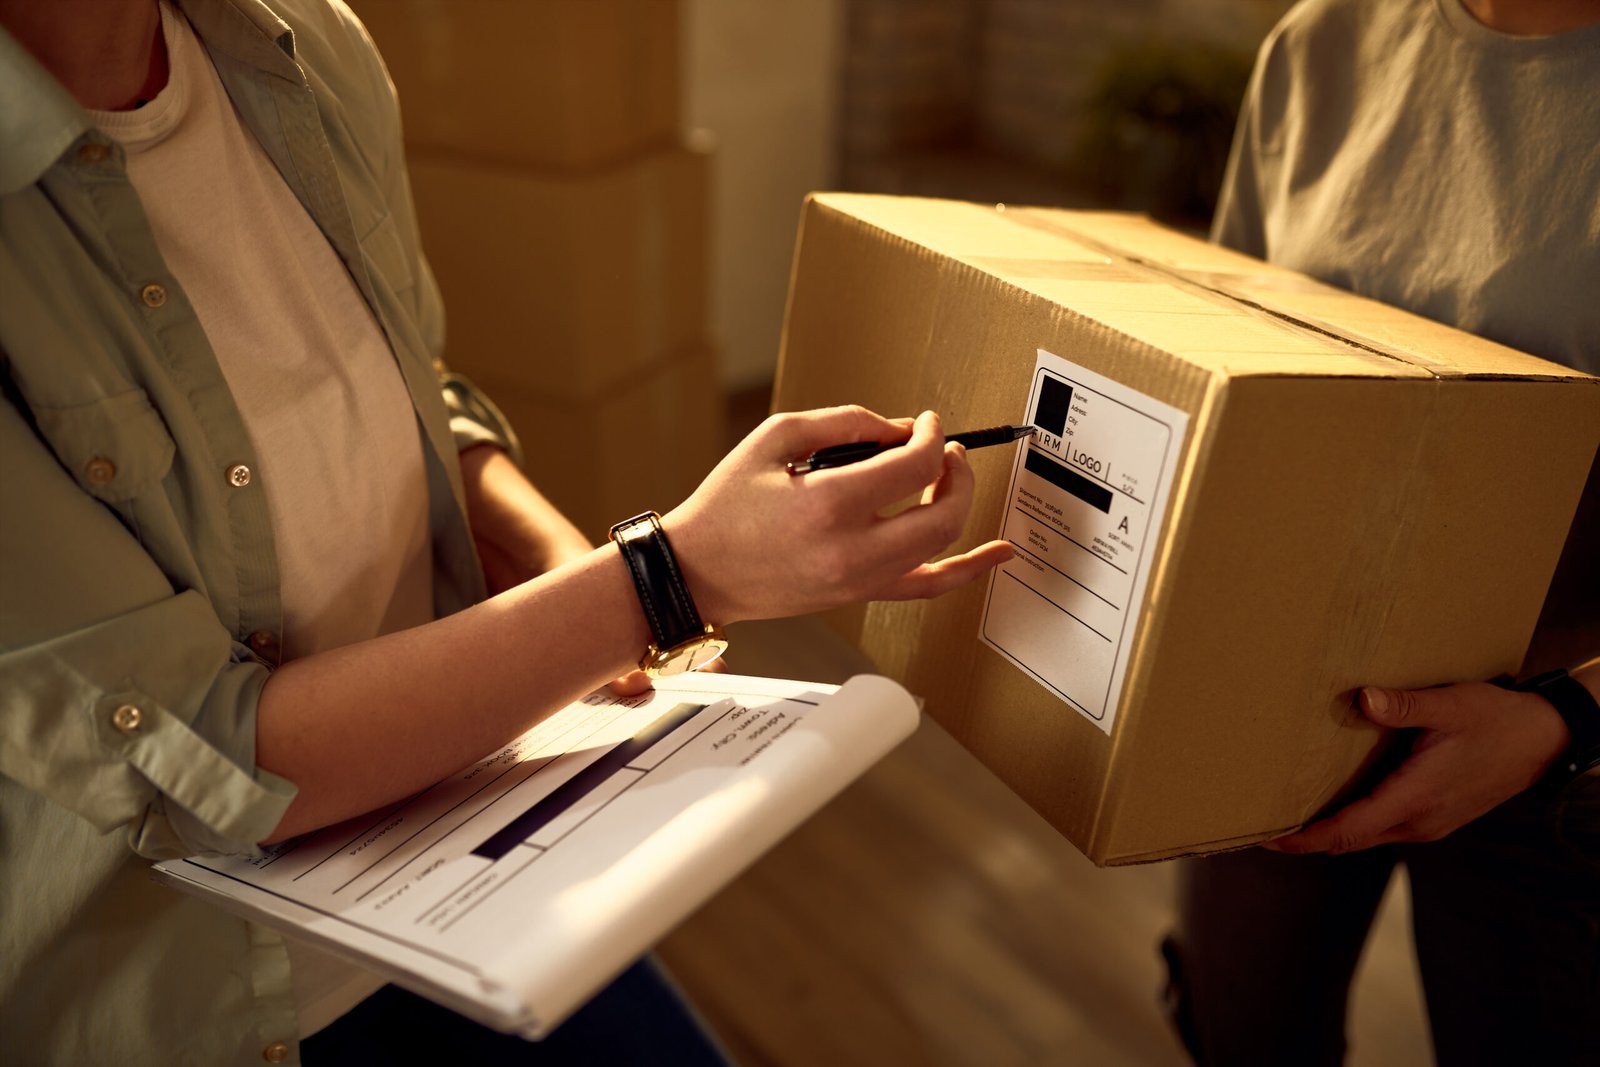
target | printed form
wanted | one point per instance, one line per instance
(1088, 493)
(516, 888)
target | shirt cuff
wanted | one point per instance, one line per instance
(107, 721)
(474, 420)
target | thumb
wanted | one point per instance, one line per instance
(1407, 708)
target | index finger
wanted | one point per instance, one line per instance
(893, 474)
(793, 434)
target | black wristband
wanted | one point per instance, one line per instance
(1580, 711)
(682, 642)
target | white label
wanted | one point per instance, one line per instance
(1087, 496)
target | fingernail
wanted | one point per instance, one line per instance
(1377, 700)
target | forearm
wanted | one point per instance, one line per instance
(518, 533)
(361, 726)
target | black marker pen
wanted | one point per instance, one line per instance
(843, 455)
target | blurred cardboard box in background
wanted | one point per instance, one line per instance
(1257, 493)
(567, 223)
(547, 84)
(567, 284)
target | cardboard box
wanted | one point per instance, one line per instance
(567, 286)
(540, 83)
(1336, 493)
(647, 445)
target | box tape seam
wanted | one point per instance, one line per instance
(1294, 323)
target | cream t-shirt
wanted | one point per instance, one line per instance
(339, 453)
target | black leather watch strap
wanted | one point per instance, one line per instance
(1578, 708)
(682, 641)
(665, 598)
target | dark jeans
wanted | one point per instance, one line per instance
(1505, 915)
(637, 1019)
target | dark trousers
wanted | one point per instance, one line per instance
(638, 1019)
(1505, 916)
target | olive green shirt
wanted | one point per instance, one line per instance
(139, 605)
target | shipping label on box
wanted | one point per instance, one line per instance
(1272, 493)
(1087, 496)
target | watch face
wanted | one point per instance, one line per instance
(689, 656)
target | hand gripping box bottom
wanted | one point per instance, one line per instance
(1252, 494)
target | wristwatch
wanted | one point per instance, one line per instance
(1578, 708)
(682, 642)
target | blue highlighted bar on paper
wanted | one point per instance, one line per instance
(571, 792)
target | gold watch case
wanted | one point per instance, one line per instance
(691, 655)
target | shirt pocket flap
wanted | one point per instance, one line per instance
(116, 447)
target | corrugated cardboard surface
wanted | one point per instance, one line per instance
(540, 83)
(1364, 498)
(567, 286)
(646, 444)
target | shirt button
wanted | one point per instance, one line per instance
(264, 642)
(276, 1052)
(93, 152)
(238, 476)
(99, 470)
(127, 718)
(153, 295)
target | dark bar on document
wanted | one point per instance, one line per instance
(574, 789)
(1063, 477)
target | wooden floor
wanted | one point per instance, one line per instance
(927, 916)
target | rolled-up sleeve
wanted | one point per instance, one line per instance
(124, 700)
(474, 420)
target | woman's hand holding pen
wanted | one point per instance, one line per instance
(359, 726)
(755, 542)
